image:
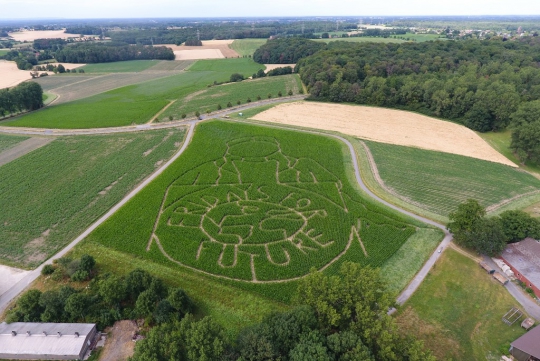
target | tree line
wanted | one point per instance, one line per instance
(110, 52)
(26, 96)
(337, 318)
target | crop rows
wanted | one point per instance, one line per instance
(49, 196)
(253, 204)
(215, 97)
(439, 182)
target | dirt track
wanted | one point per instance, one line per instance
(386, 126)
(22, 148)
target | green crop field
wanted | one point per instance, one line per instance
(257, 205)
(8, 141)
(210, 98)
(50, 195)
(438, 182)
(120, 66)
(457, 312)
(247, 46)
(4, 52)
(135, 104)
(243, 66)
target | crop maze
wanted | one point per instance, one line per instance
(258, 215)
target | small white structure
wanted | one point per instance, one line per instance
(45, 341)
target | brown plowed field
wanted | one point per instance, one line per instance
(220, 45)
(387, 126)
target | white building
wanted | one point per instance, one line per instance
(45, 341)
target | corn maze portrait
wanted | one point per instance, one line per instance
(257, 214)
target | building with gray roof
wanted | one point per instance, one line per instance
(524, 260)
(45, 341)
(527, 347)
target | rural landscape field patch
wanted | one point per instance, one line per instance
(211, 98)
(439, 182)
(8, 141)
(387, 126)
(51, 195)
(257, 205)
(132, 104)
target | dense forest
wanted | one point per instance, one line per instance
(286, 50)
(108, 52)
(481, 84)
(25, 96)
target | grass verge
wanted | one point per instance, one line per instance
(8, 141)
(457, 311)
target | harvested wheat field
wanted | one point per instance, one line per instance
(198, 54)
(275, 66)
(10, 75)
(386, 126)
(211, 49)
(41, 34)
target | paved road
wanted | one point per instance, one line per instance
(528, 304)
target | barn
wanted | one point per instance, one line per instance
(45, 341)
(524, 260)
(527, 347)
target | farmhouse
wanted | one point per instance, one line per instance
(524, 260)
(527, 347)
(45, 341)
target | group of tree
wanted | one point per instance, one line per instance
(193, 42)
(26, 96)
(337, 318)
(24, 58)
(472, 229)
(106, 298)
(274, 72)
(286, 50)
(110, 52)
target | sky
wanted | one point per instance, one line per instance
(77, 9)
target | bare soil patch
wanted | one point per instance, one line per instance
(192, 54)
(211, 49)
(119, 345)
(41, 34)
(275, 66)
(386, 126)
(10, 75)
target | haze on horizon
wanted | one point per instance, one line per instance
(67, 9)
